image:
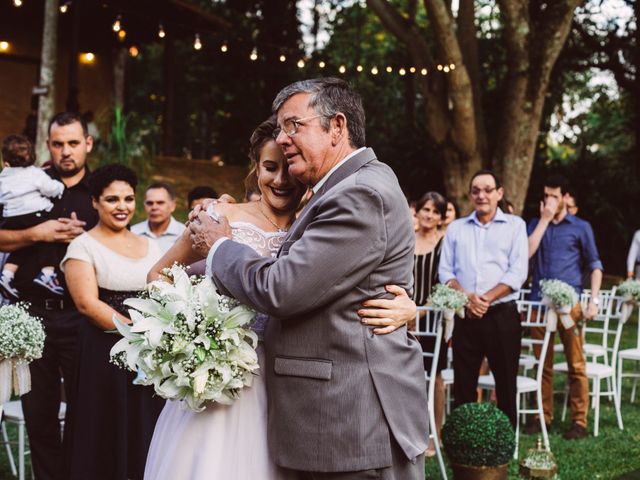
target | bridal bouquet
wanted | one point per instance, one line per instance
(21, 341)
(188, 341)
(560, 297)
(630, 291)
(450, 302)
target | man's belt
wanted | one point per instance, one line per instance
(51, 304)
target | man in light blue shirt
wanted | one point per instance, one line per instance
(485, 256)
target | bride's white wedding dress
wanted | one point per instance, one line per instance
(224, 442)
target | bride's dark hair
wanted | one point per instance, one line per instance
(259, 138)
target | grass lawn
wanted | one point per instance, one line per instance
(613, 454)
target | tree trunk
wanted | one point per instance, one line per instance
(46, 104)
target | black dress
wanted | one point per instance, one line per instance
(114, 419)
(425, 276)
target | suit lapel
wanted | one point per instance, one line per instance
(347, 169)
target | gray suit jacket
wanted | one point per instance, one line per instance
(337, 392)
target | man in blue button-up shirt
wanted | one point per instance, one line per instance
(561, 246)
(485, 256)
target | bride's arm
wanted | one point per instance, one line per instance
(180, 252)
(388, 315)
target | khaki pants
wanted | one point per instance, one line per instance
(578, 381)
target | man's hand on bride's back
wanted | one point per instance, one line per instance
(202, 207)
(388, 315)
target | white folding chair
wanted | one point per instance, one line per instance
(632, 354)
(598, 371)
(533, 315)
(429, 324)
(13, 414)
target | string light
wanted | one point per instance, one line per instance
(224, 48)
(359, 68)
(300, 63)
(446, 69)
(452, 66)
(412, 69)
(64, 7)
(116, 25)
(389, 69)
(283, 58)
(122, 34)
(439, 67)
(254, 55)
(4, 46)
(17, 3)
(374, 71)
(161, 32)
(133, 51)
(342, 69)
(197, 44)
(402, 72)
(87, 58)
(423, 71)
(321, 64)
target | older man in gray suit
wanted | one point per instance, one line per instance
(343, 403)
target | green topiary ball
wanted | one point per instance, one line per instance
(478, 434)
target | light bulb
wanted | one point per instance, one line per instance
(17, 3)
(300, 63)
(342, 69)
(283, 58)
(161, 32)
(224, 48)
(402, 72)
(374, 71)
(197, 44)
(254, 55)
(116, 25)
(359, 68)
(64, 8)
(321, 64)
(423, 71)
(389, 69)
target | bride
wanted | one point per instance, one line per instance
(230, 441)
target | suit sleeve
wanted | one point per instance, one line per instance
(339, 248)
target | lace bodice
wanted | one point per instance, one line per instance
(266, 244)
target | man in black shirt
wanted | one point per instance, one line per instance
(69, 144)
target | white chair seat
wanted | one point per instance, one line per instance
(630, 354)
(13, 411)
(594, 370)
(447, 376)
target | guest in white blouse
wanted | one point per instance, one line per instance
(114, 419)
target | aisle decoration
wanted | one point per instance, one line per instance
(188, 341)
(629, 290)
(560, 297)
(21, 341)
(450, 302)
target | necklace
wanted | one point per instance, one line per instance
(280, 229)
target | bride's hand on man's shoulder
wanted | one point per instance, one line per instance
(388, 315)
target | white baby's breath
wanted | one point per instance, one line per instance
(630, 289)
(560, 294)
(21, 335)
(189, 341)
(444, 298)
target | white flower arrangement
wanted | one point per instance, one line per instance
(443, 297)
(188, 341)
(560, 297)
(450, 302)
(560, 293)
(630, 289)
(21, 341)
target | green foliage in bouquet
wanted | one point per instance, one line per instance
(478, 434)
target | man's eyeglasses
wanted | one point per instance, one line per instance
(487, 191)
(290, 126)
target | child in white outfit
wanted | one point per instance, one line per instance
(25, 192)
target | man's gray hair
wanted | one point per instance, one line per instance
(329, 96)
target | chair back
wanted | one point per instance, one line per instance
(616, 318)
(523, 293)
(429, 324)
(533, 314)
(597, 330)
